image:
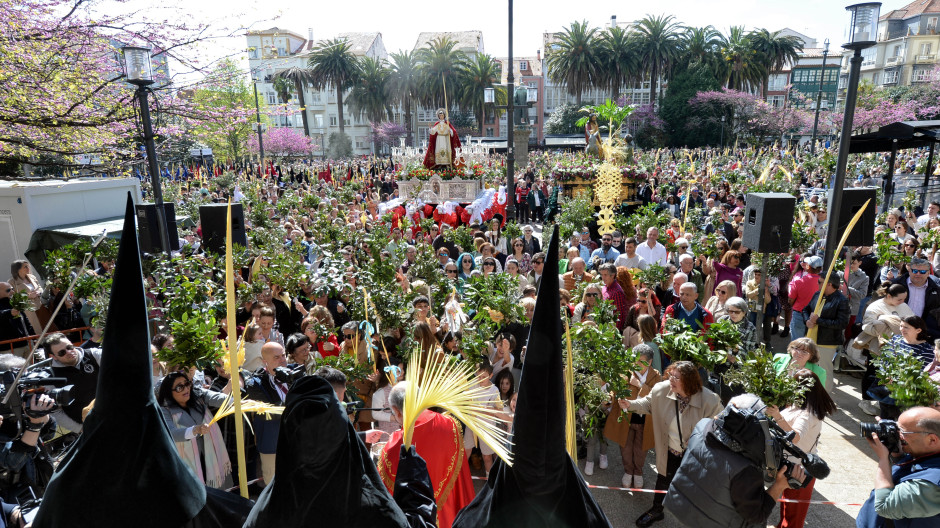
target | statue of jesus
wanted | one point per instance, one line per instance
(442, 144)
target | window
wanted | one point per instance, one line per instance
(776, 101)
(281, 51)
(253, 53)
(489, 132)
(898, 49)
(333, 121)
(272, 98)
(874, 79)
(362, 142)
(777, 82)
(531, 84)
(523, 65)
(920, 75)
(318, 120)
(932, 24)
(489, 119)
(891, 77)
(868, 56)
(316, 97)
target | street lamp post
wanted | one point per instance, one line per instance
(822, 76)
(863, 23)
(510, 138)
(139, 72)
(722, 141)
(258, 121)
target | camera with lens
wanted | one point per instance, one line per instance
(759, 439)
(35, 380)
(888, 433)
(289, 375)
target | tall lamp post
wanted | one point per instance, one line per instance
(863, 23)
(510, 138)
(822, 76)
(722, 140)
(254, 81)
(139, 72)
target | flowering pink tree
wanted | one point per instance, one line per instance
(750, 115)
(62, 92)
(386, 134)
(282, 142)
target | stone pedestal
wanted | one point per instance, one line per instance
(521, 137)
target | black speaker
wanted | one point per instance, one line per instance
(212, 218)
(852, 200)
(149, 236)
(768, 222)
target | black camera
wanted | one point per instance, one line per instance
(762, 441)
(35, 380)
(888, 433)
(289, 375)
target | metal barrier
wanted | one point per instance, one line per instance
(30, 340)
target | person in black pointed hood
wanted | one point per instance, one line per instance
(124, 469)
(543, 487)
(324, 474)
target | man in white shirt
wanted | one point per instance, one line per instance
(629, 258)
(652, 251)
(932, 211)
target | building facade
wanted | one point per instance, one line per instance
(906, 50)
(273, 50)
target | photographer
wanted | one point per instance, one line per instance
(80, 367)
(908, 491)
(726, 455)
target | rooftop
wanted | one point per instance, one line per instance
(467, 41)
(360, 43)
(917, 7)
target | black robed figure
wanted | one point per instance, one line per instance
(543, 487)
(124, 470)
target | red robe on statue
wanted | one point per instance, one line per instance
(437, 438)
(429, 162)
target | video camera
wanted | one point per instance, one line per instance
(288, 375)
(762, 441)
(36, 379)
(888, 433)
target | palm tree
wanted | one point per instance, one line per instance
(619, 60)
(658, 42)
(741, 68)
(440, 64)
(370, 94)
(775, 52)
(480, 74)
(332, 64)
(403, 85)
(282, 89)
(300, 77)
(575, 60)
(702, 45)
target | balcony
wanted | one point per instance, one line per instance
(890, 61)
(925, 58)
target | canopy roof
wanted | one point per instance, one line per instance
(905, 134)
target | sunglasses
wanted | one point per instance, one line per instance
(64, 351)
(641, 302)
(348, 335)
(451, 271)
(182, 387)
(920, 272)
(734, 311)
(489, 263)
(537, 261)
(591, 294)
(723, 292)
(443, 254)
(910, 245)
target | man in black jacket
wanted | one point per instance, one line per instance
(831, 321)
(923, 294)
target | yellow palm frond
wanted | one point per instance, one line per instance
(248, 406)
(453, 386)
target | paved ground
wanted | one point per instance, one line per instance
(849, 458)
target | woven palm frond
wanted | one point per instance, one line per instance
(454, 387)
(248, 406)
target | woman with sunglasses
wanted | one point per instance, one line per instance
(716, 303)
(729, 269)
(487, 252)
(583, 311)
(199, 444)
(490, 265)
(519, 255)
(465, 266)
(736, 311)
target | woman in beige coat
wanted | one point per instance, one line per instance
(629, 429)
(676, 405)
(883, 317)
(21, 280)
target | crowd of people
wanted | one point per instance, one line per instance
(427, 283)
